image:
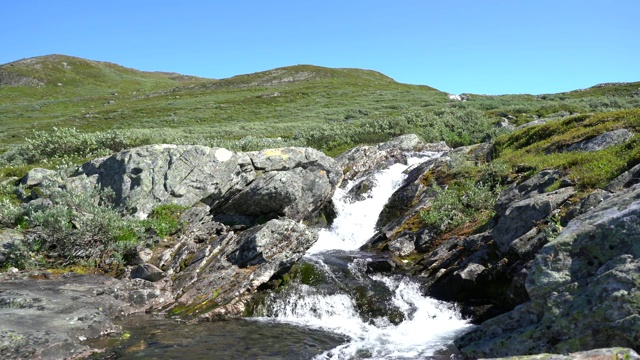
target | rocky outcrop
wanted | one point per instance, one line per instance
(602, 141)
(522, 216)
(213, 276)
(147, 176)
(364, 160)
(239, 187)
(598, 354)
(583, 285)
(625, 180)
(293, 182)
(209, 272)
(530, 187)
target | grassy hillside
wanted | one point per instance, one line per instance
(58, 108)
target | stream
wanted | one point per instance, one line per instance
(333, 309)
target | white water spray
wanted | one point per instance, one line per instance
(355, 223)
(429, 325)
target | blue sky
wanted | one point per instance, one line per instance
(489, 47)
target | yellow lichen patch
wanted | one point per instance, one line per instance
(279, 152)
(273, 152)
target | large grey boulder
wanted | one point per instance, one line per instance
(147, 176)
(293, 182)
(584, 288)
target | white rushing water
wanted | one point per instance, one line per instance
(429, 324)
(355, 223)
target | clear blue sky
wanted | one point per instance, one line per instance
(491, 47)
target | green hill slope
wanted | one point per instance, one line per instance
(98, 107)
(60, 91)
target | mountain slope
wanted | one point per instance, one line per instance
(330, 109)
(62, 91)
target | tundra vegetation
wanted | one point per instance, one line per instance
(58, 111)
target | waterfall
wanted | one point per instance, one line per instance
(409, 324)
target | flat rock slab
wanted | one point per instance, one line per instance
(50, 319)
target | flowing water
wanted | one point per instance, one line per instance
(341, 310)
(402, 325)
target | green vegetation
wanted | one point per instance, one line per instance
(164, 219)
(461, 202)
(72, 227)
(541, 147)
(99, 108)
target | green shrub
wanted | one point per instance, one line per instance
(461, 202)
(164, 219)
(75, 228)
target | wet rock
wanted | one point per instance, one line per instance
(365, 160)
(360, 191)
(402, 246)
(380, 265)
(50, 319)
(147, 272)
(213, 279)
(462, 269)
(405, 202)
(602, 141)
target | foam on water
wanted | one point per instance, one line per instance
(355, 223)
(429, 324)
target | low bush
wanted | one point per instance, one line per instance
(74, 227)
(164, 219)
(462, 201)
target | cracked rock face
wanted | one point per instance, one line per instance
(147, 176)
(291, 182)
(584, 289)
